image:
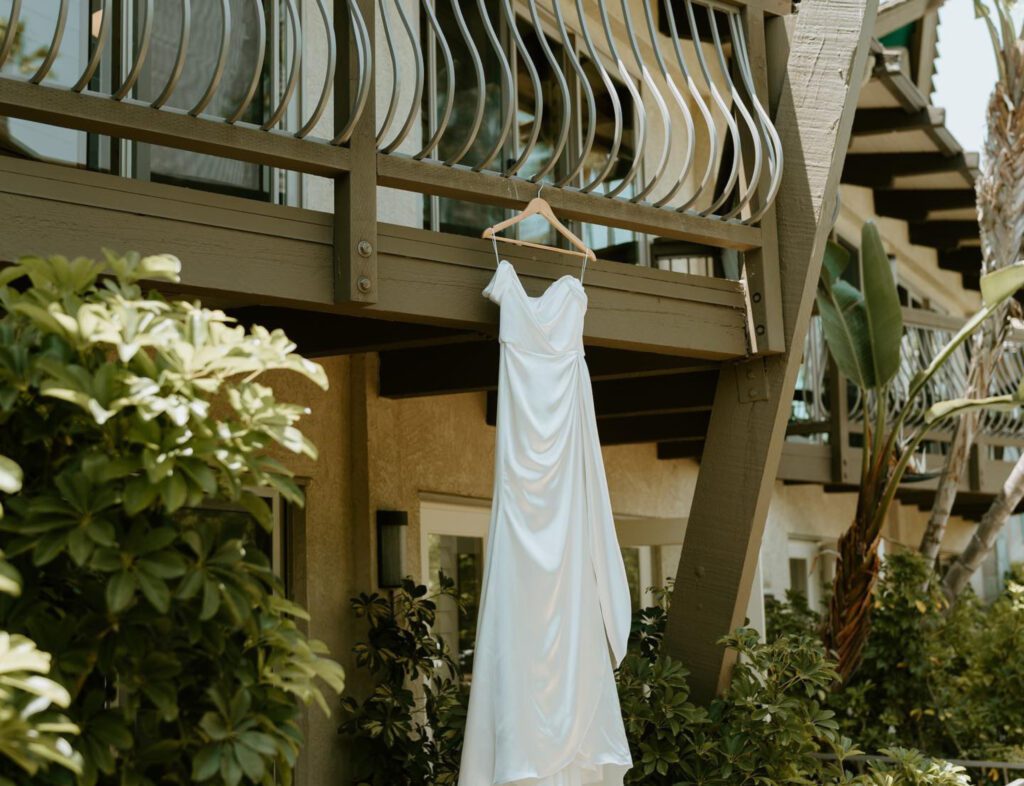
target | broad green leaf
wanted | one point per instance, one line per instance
(845, 326)
(958, 406)
(206, 763)
(155, 590)
(120, 591)
(1000, 284)
(835, 262)
(882, 306)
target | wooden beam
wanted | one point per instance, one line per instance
(355, 193)
(827, 58)
(878, 170)
(871, 122)
(898, 13)
(663, 395)
(130, 119)
(458, 182)
(322, 334)
(916, 204)
(239, 252)
(945, 235)
(680, 449)
(463, 368)
(653, 428)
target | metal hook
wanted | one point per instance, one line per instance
(539, 190)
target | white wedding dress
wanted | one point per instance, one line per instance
(555, 609)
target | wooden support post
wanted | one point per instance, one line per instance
(355, 193)
(843, 470)
(826, 63)
(761, 265)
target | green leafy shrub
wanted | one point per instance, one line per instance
(409, 730)
(181, 657)
(947, 680)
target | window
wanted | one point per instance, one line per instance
(453, 540)
(145, 161)
(811, 569)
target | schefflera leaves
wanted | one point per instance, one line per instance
(128, 416)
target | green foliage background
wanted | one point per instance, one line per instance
(181, 657)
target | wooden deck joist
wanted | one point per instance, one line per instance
(237, 252)
(669, 394)
(470, 367)
(879, 170)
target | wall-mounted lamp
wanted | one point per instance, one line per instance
(391, 527)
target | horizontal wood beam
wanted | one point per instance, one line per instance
(323, 334)
(130, 119)
(662, 395)
(653, 428)
(463, 368)
(916, 204)
(463, 183)
(681, 449)
(898, 13)
(943, 235)
(238, 252)
(871, 122)
(878, 170)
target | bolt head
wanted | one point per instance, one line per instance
(365, 248)
(363, 284)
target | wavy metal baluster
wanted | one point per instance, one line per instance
(389, 114)
(507, 88)
(563, 88)
(222, 59)
(179, 60)
(588, 96)
(659, 100)
(54, 50)
(140, 56)
(640, 138)
(755, 139)
(538, 99)
(702, 106)
(771, 135)
(364, 54)
(722, 107)
(481, 86)
(257, 72)
(449, 100)
(296, 67)
(97, 54)
(11, 32)
(691, 141)
(609, 84)
(414, 108)
(332, 65)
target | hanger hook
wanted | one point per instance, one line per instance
(539, 190)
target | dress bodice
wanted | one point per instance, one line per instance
(550, 324)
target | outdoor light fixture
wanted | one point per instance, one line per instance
(391, 525)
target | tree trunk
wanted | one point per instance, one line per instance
(849, 618)
(949, 483)
(988, 530)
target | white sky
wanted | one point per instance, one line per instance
(965, 71)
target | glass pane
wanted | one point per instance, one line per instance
(36, 26)
(798, 571)
(461, 559)
(178, 166)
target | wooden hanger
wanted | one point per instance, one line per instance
(540, 207)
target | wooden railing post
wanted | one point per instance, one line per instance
(761, 265)
(355, 193)
(825, 68)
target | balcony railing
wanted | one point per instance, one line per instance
(653, 104)
(924, 334)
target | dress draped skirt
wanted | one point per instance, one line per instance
(555, 609)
